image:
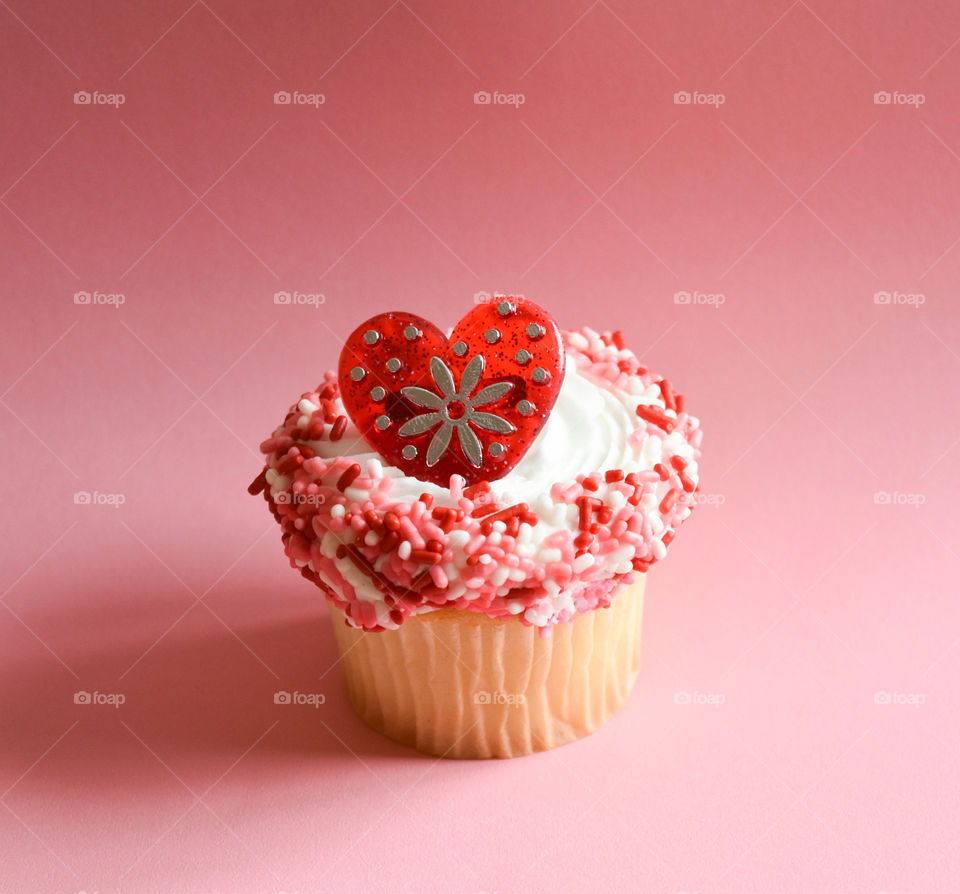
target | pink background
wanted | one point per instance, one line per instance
(791, 599)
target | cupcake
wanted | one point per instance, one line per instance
(481, 509)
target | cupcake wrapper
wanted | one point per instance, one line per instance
(461, 685)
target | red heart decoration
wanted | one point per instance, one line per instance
(470, 404)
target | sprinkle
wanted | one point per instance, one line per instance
(613, 475)
(483, 509)
(371, 518)
(339, 427)
(426, 499)
(667, 503)
(404, 550)
(391, 521)
(618, 340)
(258, 483)
(590, 484)
(667, 392)
(425, 556)
(348, 477)
(518, 512)
(655, 416)
(681, 403)
(472, 492)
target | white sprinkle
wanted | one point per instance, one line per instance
(306, 406)
(355, 495)
(404, 550)
(374, 468)
(337, 510)
(371, 538)
(550, 555)
(514, 607)
(303, 422)
(458, 539)
(485, 559)
(582, 563)
(494, 537)
(271, 476)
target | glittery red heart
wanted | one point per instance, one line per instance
(471, 404)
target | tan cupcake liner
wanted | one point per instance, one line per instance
(456, 684)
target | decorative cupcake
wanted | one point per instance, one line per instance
(481, 510)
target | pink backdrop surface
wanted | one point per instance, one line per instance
(785, 246)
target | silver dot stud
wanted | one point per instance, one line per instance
(411, 333)
(535, 330)
(378, 393)
(357, 373)
(492, 336)
(525, 408)
(383, 422)
(505, 308)
(523, 356)
(540, 375)
(393, 364)
(371, 336)
(409, 452)
(496, 449)
(460, 348)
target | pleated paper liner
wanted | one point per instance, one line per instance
(461, 685)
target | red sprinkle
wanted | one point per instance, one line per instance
(587, 506)
(589, 484)
(667, 503)
(258, 484)
(518, 511)
(480, 511)
(348, 477)
(613, 475)
(372, 519)
(655, 416)
(667, 391)
(481, 487)
(427, 500)
(662, 471)
(392, 521)
(339, 427)
(618, 340)
(681, 403)
(425, 556)
(390, 542)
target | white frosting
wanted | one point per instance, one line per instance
(587, 431)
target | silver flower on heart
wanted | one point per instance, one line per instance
(454, 409)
